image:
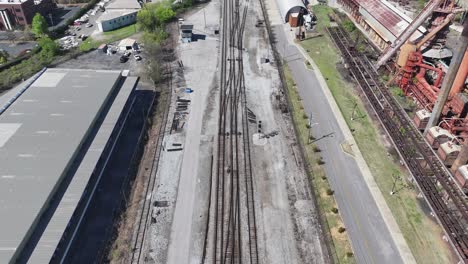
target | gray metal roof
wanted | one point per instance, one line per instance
(113, 14)
(52, 234)
(186, 26)
(289, 6)
(39, 136)
(124, 4)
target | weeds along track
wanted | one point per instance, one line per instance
(435, 182)
(146, 209)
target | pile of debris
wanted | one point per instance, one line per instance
(180, 114)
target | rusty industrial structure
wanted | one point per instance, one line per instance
(415, 50)
(423, 73)
(433, 142)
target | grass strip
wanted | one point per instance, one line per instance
(341, 247)
(109, 37)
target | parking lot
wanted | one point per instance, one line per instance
(97, 59)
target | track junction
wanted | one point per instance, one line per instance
(232, 235)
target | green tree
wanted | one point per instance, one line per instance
(157, 36)
(48, 48)
(164, 14)
(39, 25)
(153, 16)
(146, 18)
(3, 57)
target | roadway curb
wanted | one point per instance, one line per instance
(394, 229)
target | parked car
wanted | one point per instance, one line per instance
(88, 25)
(123, 59)
(137, 57)
(24, 52)
(127, 53)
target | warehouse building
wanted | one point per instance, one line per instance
(119, 13)
(58, 131)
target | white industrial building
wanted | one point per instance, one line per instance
(119, 13)
(128, 44)
(114, 19)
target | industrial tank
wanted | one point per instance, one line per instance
(405, 51)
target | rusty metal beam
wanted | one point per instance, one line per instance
(461, 45)
(408, 32)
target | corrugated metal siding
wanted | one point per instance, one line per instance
(377, 26)
(385, 19)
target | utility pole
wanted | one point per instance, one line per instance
(51, 19)
(310, 129)
(204, 16)
(309, 135)
(395, 179)
(354, 111)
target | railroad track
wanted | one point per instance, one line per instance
(145, 214)
(233, 231)
(435, 182)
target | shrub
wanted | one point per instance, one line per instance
(349, 25)
(316, 149)
(48, 48)
(334, 210)
(341, 229)
(330, 191)
(349, 254)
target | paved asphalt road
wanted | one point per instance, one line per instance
(369, 235)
